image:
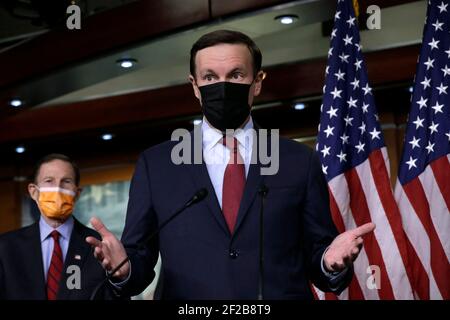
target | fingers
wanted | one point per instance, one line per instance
(98, 225)
(364, 229)
(93, 241)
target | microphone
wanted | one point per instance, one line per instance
(197, 197)
(263, 190)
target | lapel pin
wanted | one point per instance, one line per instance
(77, 257)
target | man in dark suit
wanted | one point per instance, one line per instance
(212, 250)
(51, 259)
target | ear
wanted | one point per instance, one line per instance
(195, 87)
(78, 193)
(260, 76)
(33, 191)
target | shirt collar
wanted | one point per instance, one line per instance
(65, 230)
(211, 136)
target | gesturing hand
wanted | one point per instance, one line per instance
(110, 251)
(345, 248)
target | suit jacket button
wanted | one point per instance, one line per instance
(234, 254)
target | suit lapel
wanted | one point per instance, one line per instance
(77, 254)
(33, 252)
(201, 178)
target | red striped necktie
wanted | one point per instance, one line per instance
(233, 183)
(55, 269)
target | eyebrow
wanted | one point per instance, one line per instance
(210, 71)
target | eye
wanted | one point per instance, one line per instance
(208, 77)
(237, 76)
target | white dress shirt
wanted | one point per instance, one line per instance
(216, 155)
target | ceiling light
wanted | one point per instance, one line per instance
(107, 136)
(299, 106)
(126, 63)
(15, 102)
(287, 18)
(20, 149)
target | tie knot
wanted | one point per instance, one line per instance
(230, 142)
(55, 235)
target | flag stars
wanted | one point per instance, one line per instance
(362, 128)
(332, 112)
(347, 40)
(337, 16)
(418, 122)
(344, 57)
(342, 156)
(433, 127)
(448, 136)
(437, 108)
(355, 84)
(348, 121)
(344, 138)
(367, 89)
(443, 7)
(351, 21)
(426, 83)
(336, 93)
(329, 131)
(360, 147)
(448, 52)
(414, 143)
(411, 163)
(446, 70)
(352, 103)
(429, 63)
(433, 44)
(325, 151)
(430, 147)
(437, 25)
(365, 107)
(358, 64)
(325, 169)
(340, 75)
(375, 134)
(333, 33)
(422, 103)
(330, 52)
(442, 89)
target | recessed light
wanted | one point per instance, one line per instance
(299, 106)
(196, 122)
(15, 102)
(287, 18)
(126, 63)
(107, 136)
(20, 149)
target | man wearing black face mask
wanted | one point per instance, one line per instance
(211, 251)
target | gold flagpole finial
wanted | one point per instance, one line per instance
(356, 7)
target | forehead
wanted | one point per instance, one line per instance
(56, 168)
(224, 56)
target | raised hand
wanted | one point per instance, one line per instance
(345, 248)
(109, 251)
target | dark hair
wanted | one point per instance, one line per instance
(56, 156)
(230, 37)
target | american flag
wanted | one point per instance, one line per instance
(423, 186)
(355, 163)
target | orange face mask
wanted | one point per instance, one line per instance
(56, 203)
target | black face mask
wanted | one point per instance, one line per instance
(225, 104)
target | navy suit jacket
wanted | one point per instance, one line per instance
(22, 271)
(200, 258)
